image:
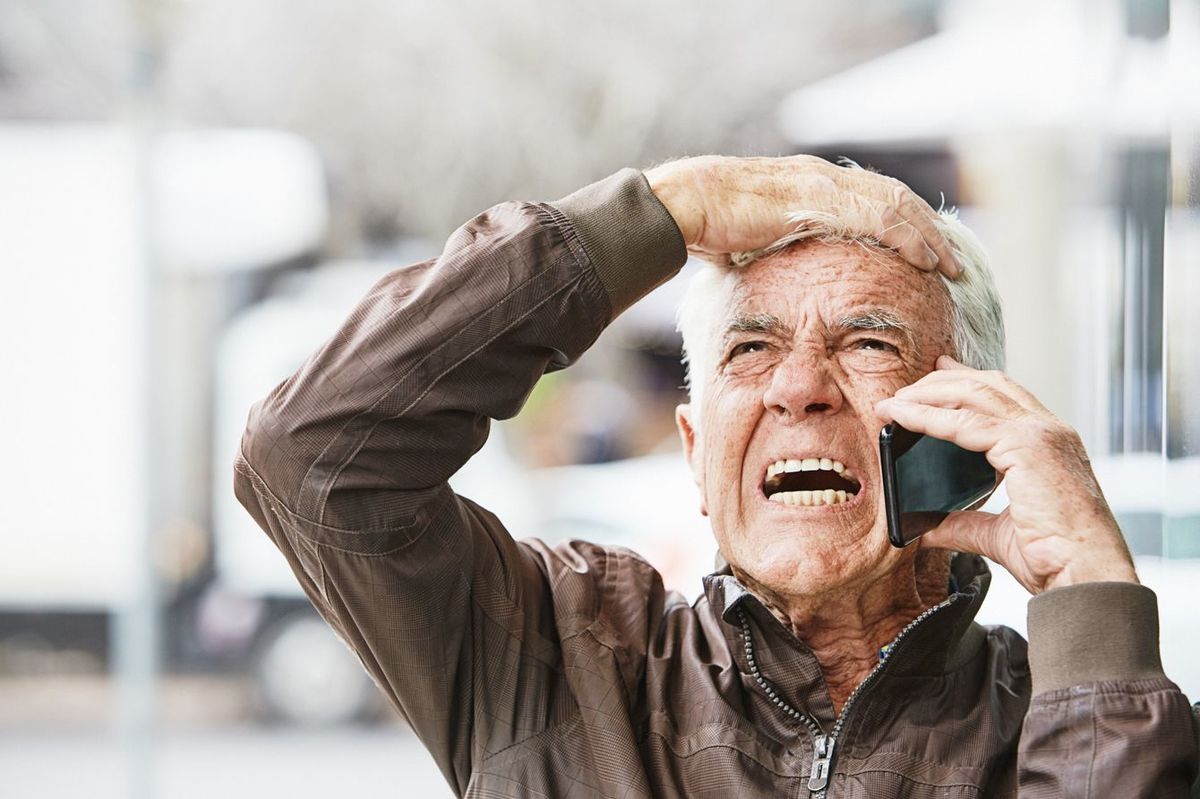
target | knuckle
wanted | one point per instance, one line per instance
(994, 396)
(1050, 433)
(817, 185)
(996, 376)
(888, 216)
(908, 200)
(1071, 438)
(824, 181)
(971, 418)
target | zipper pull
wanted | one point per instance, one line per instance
(823, 746)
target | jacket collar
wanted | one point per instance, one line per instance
(940, 643)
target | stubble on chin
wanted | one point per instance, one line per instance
(783, 569)
(836, 571)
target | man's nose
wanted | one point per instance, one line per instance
(802, 384)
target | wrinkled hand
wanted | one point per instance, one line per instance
(724, 205)
(1057, 530)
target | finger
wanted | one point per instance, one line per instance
(905, 217)
(922, 217)
(968, 429)
(865, 215)
(946, 363)
(950, 369)
(897, 233)
(967, 531)
(908, 213)
(943, 383)
(963, 393)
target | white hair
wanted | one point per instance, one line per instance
(977, 320)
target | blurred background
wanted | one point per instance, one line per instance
(194, 193)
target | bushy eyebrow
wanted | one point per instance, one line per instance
(874, 319)
(877, 319)
(755, 323)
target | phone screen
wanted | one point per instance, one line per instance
(925, 478)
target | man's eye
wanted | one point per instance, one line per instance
(747, 346)
(875, 344)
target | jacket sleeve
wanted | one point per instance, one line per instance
(1104, 720)
(345, 464)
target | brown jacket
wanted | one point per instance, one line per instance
(567, 670)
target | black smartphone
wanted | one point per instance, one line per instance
(925, 478)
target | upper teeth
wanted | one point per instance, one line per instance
(807, 465)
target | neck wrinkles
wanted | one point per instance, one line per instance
(846, 628)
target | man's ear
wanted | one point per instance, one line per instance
(693, 453)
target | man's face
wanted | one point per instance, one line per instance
(811, 339)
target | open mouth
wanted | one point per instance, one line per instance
(810, 481)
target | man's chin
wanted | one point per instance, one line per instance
(799, 565)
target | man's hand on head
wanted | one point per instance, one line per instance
(1058, 529)
(724, 205)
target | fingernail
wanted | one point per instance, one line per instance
(931, 259)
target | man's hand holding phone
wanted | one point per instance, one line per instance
(1058, 529)
(925, 478)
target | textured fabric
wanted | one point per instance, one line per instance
(1070, 655)
(567, 670)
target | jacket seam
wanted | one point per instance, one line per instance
(263, 489)
(575, 718)
(327, 488)
(913, 780)
(731, 747)
(909, 756)
(578, 249)
(1092, 742)
(327, 484)
(1113, 687)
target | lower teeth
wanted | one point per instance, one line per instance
(826, 497)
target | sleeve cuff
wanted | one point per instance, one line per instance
(630, 237)
(1091, 632)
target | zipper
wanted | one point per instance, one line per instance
(825, 746)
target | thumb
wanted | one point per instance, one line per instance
(946, 362)
(965, 531)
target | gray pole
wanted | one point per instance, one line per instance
(136, 630)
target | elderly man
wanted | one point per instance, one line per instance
(821, 661)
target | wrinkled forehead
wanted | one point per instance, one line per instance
(821, 282)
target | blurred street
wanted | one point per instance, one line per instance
(231, 763)
(55, 743)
